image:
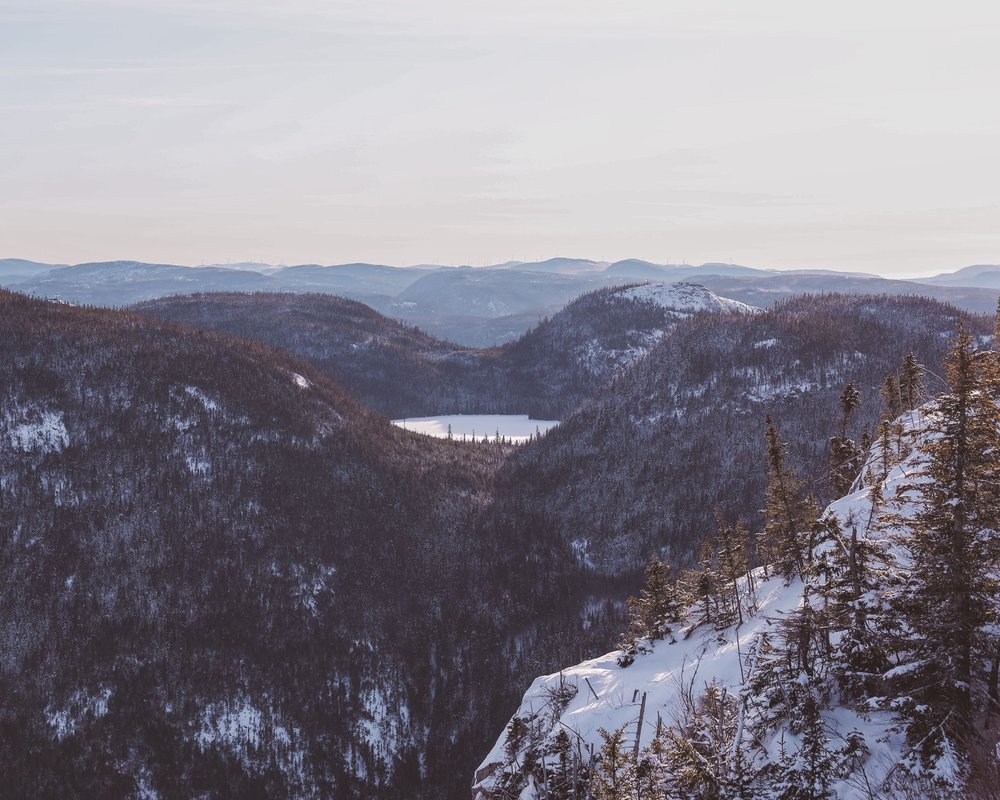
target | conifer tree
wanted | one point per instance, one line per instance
(615, 776)
(911, 382)
(856, 568)
(562, 780)
(948, 594)
(866, 439)
(517, 734)
(699, 758)
(705, 587)
(890, 396)
(808, 772)
(788, 514)
(886, 456)
(733, 554)
(850, 399)
(652, 614)
(846, 457)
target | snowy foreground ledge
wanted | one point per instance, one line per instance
(513, 427)
(599, 694)
(605, 695)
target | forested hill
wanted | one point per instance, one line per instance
(221, 575)
(402, 372)
(393, 368)
(849, 654)
(640, 468)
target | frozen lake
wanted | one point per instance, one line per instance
(516, 427)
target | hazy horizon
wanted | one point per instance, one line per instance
(246, 263)
(784, 135)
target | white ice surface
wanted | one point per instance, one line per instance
(517, 427)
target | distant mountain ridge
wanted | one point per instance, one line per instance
(474, 306)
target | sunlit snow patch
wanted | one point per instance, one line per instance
(80, 708)
(686, 298)
(513, 427)
(42, 432)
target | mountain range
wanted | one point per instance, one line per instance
(474, 306)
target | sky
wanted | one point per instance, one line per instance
(849, 135)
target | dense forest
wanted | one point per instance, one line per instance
(639, 470)
(851, 653)
(225, 575)
(222, 574)
(402, 372)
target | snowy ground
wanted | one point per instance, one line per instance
(516, 427)
(686, 298)
(599, 693)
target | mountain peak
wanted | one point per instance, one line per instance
(685, 297)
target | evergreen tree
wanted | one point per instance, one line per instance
(911, 382)
(615, 776)
(886, 455)
(808, 772)
(891, 398)
(850, 399)
(517, 735)
(699, 758)
(788, 514)
(856, 570)
(562, 781)
(846, 457)
(866, 439)
(652, 614)
(948, 594)
(705, 585)
(846, 460)
(733, 560)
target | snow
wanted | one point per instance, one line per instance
(385, 724)
(233, 725)
(81, 707)
(606, 695)
(198, 466)
(197, 394)
(686, 298)
(243, 727)
(37, 432)
(581, 549)
(609, 696)
(596, 356)
(300, 381)
(514, 427)
(310, 587)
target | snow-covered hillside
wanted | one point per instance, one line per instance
(646, 312)
(734, 665)
(685, 298)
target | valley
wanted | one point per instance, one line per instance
(499, 401)
(235, 447)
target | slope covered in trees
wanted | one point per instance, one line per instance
(859, 661)
(638, 470)
(402, 372)
(221, 574)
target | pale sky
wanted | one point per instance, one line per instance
(848, 135)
